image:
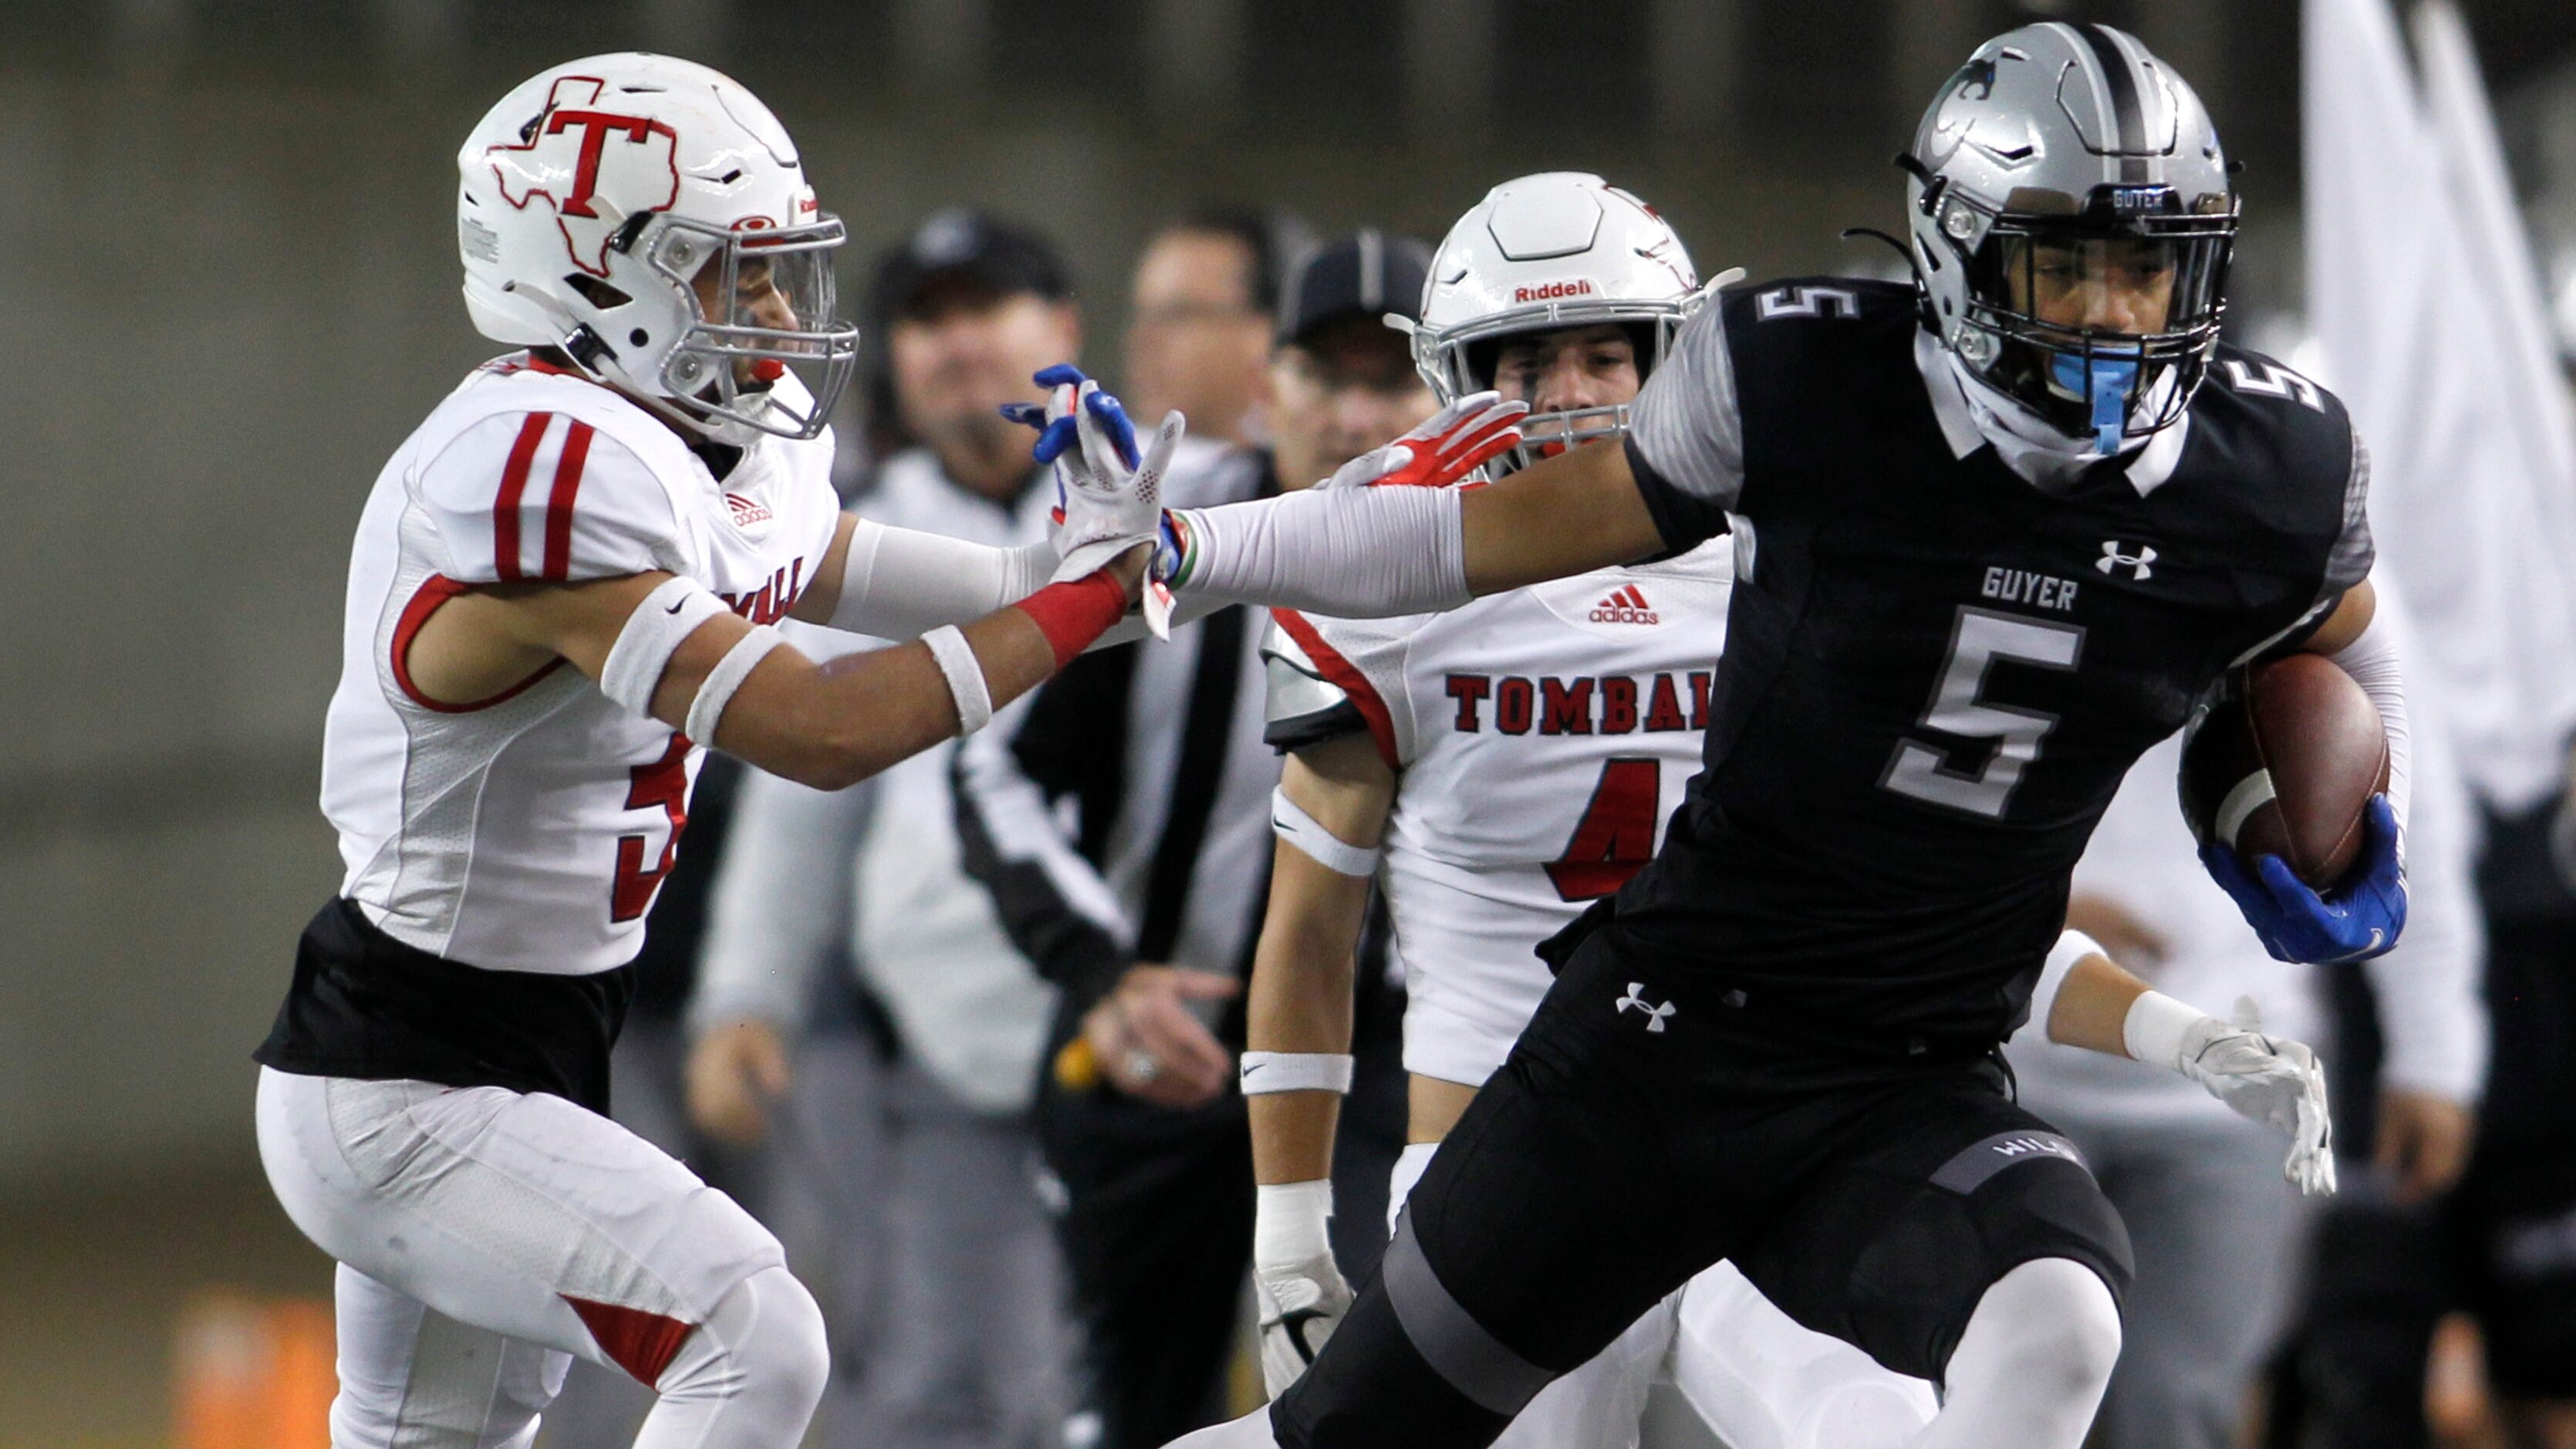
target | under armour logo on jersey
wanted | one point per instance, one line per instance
(1625, 606)
(2271, 379)
(1655, 1014)
(2113, 560)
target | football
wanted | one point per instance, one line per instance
(2283, 763)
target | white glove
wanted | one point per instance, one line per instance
(2267, 1079)
(1108, 499)
(1452, 444)
(1300, 1287)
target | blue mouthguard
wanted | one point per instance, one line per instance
(2110, 379)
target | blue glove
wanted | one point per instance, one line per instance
(1059, 434)
(2360, 920)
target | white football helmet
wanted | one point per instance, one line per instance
(1558, 249)
(590, 201)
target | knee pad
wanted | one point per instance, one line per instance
(764, 1343)
(1896, 1265)
(2049, 1328)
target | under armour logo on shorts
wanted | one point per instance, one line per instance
(1654, 1014)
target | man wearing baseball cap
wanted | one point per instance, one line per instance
(1141, 1119)
(1342, 381)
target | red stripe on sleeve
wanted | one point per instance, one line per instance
(576, 450)
(1346, 676)
(505, 508)
(435, 591)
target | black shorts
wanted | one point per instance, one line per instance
(1645, 1127)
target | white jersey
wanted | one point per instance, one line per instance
(529, 831)
(1542, 738)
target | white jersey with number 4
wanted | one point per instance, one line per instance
(528, 831)
(1542, 738)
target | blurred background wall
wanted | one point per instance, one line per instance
(230, 290)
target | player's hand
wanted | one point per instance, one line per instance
(2268, 1079)
(734, 1073)
(1150, 1045)
(1454, 442)
(1109, 496)
(2357, 920)
(2423, 1142)
(1299, 1287)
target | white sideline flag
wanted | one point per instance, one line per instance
(2417, 338)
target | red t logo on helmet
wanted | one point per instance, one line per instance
(575, 157)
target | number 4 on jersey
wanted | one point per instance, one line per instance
(1616, 836)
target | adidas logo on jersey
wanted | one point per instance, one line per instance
(745, 511)
(1625, 606)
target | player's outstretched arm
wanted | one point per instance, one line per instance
(2085, 1000)
(1375, 552)
(733, 685)
(1330, 811)
(901, 583)
(897, 583)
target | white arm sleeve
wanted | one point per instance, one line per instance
(2431, 1011)
(1353, 553)
(2372, 660)
(899, 583)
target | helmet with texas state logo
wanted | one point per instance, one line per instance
(649, 218)
(1542, 253)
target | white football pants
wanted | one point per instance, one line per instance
(485, 1236)
(1760, 1378)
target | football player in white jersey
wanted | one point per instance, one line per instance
(638, 495)
(1495, 768)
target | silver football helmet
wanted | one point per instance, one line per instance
(2065, 161)
(1555, 250)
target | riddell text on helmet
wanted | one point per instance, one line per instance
(1550, 291)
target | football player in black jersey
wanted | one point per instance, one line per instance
(1996, 533)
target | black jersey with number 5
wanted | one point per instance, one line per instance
(1936, 672)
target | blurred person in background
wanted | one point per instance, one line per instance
(2216, 1230)
(1488, 837)
(2392, 1264)
(959, 1347)
(1205, 293)
(1121, 826)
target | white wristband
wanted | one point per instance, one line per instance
(1295, 1072)
(724, 679)
(2155, 1027)
(956, 660)
(1288, 1223)
(669, 614)
(1322, 846)
(2072, 946)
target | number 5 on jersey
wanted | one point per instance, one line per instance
(1959, 707)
